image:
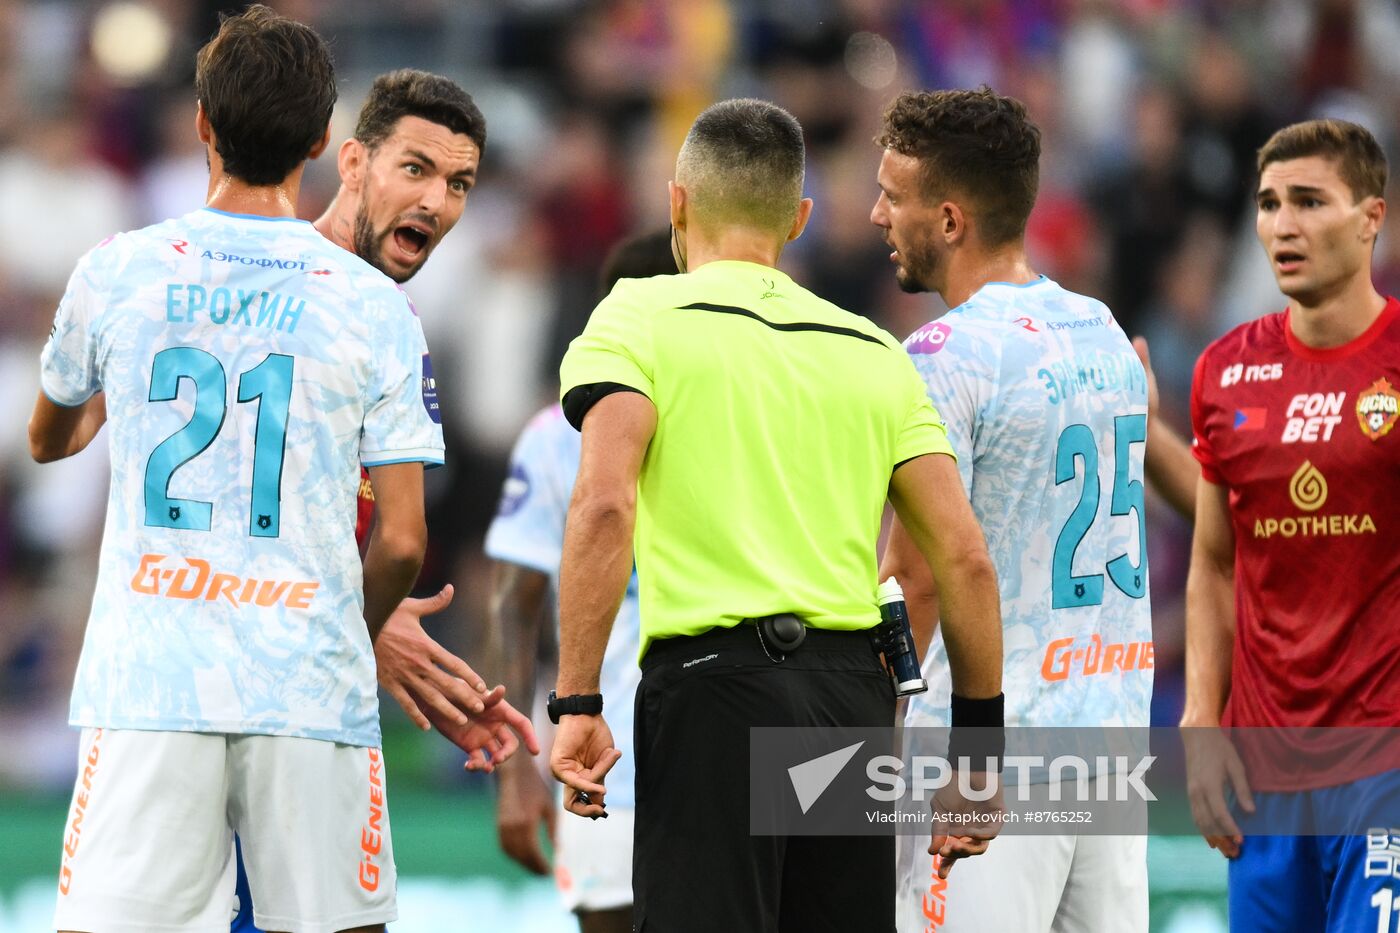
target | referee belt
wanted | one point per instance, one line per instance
(745, 635)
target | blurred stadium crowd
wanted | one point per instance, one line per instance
(1151, 112)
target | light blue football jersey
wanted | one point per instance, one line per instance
(250, 367)
(529, 530)
(1046, 406)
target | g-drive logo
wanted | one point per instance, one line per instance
(1072, 778)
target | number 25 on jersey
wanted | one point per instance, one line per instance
(1077, 444)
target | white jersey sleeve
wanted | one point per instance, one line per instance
(68, 364)
(403, 422)
(958, 384)
(529, 525)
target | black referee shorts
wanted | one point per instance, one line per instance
(696, 868)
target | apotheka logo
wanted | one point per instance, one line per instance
(1308, 490)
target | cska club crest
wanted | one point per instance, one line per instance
(1377, 408)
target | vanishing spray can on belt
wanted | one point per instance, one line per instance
(894, 639)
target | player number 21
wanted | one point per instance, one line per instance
(1077, 444)
(270, 385)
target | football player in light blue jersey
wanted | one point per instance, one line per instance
(405, 177)
(1045, 403)
(246, 366)
(593, 858)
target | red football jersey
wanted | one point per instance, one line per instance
(1305, 441)
(364, 508)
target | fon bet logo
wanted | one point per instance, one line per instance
(1308, 488)
(1377, 408)
(1312, 417)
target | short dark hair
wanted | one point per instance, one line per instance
(743, 161)
(639, 256)
(1360, 160)
(268, 88)
(412, 93)
(977, 143)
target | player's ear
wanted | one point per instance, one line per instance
(352, 161)
(952, 222)
(1374, 209)
(679, 201)
(321, 144)
(804, 214)
(202, 127)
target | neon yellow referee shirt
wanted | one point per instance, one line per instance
(780, 420)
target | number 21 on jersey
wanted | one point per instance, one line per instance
(270, 385)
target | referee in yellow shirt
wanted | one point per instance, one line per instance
(749, 433)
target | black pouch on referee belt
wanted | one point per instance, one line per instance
(784, 632)
(894, 639)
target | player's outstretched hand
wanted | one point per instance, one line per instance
(963, 827)
(490, 736)
(582, 755)
(1140, 345)
(524, 804)
(1211, 763)
(420, 673)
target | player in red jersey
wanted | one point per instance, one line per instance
(405, 177)
(1293, 600)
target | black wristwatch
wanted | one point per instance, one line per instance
(580, 704)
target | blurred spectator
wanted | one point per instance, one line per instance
(1144, 205)
(58, 203)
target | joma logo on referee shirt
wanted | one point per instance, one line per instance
(197, 580)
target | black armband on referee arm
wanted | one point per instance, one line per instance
(578, 400)
(979, 731)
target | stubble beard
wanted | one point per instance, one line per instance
(369, 245)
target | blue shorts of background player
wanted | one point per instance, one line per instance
(1348, 882)
(243, 920)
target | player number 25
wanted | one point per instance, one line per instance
(1077, 443)
(270, 385)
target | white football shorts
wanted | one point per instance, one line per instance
(593, 860)
(148, 845)
(1027, 884)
